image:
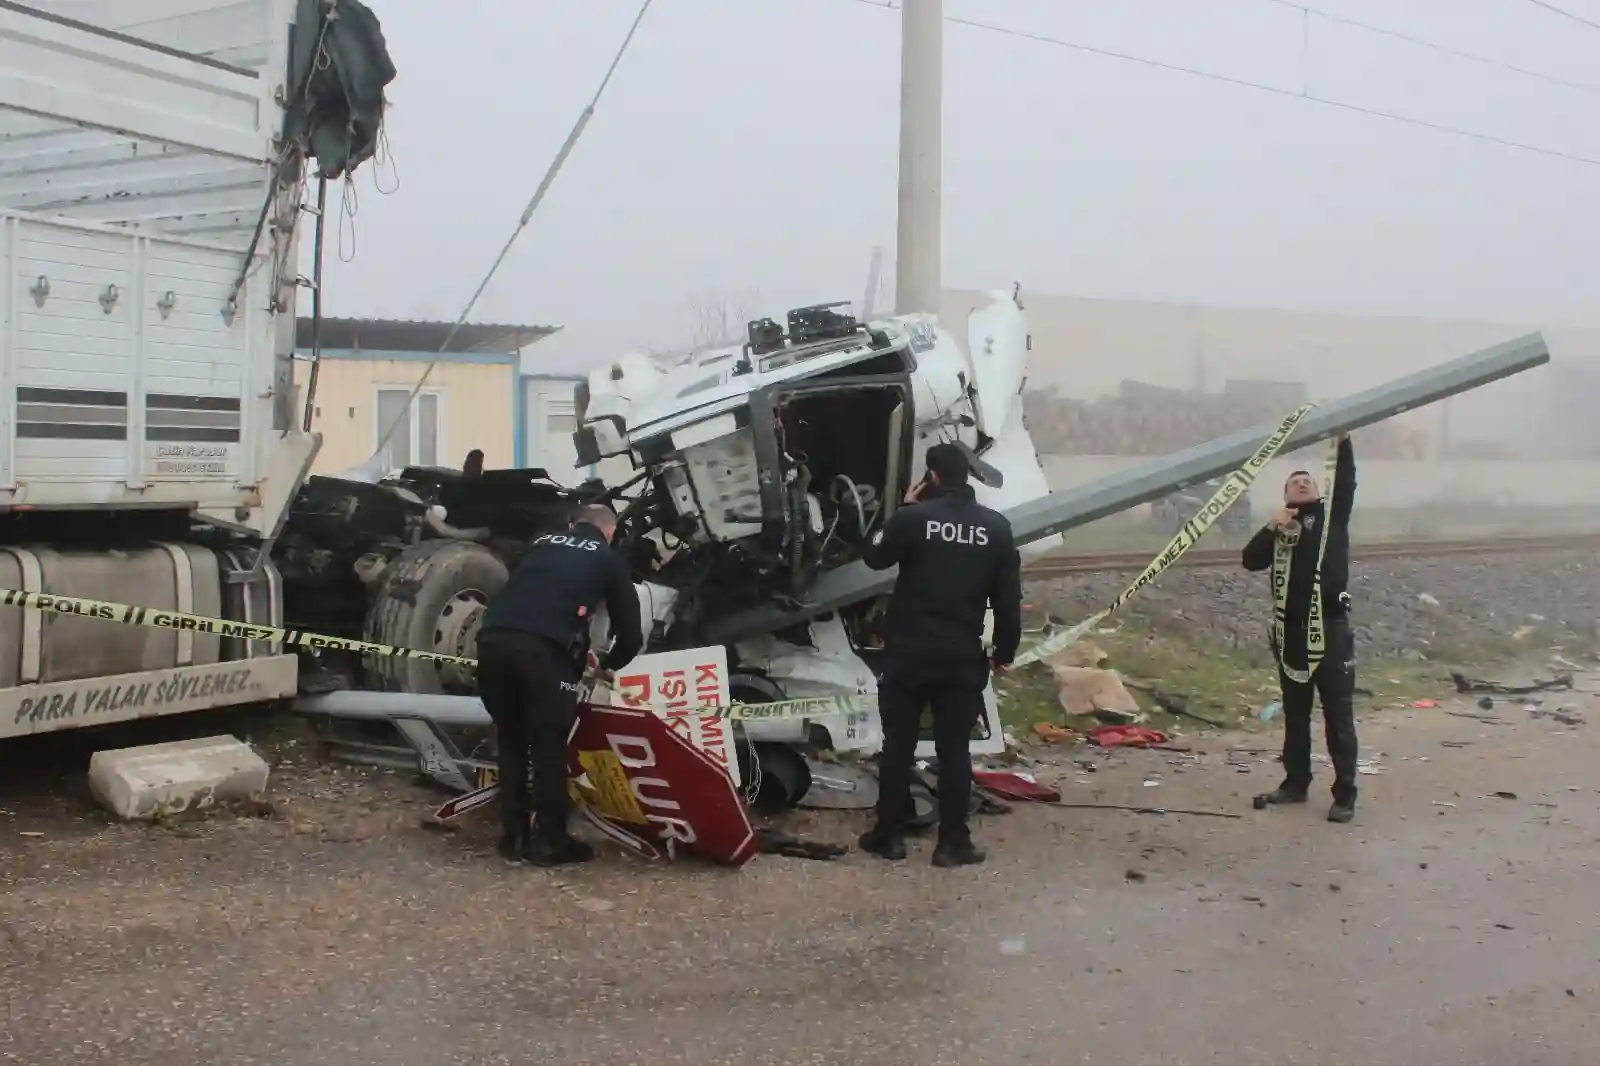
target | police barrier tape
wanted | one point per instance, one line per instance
(1234, 486)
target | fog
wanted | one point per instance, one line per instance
(744, 157)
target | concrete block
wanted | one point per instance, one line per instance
(161, 779)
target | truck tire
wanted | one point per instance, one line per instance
(431, 598)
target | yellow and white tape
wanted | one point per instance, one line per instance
(1234, 487)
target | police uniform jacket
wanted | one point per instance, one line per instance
(559, 582)
(957, 558)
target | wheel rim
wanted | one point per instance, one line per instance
(455, 632)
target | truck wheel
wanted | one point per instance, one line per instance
(431, 598)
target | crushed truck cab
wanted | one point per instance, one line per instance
(761, 466)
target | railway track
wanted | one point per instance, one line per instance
(1063, 565)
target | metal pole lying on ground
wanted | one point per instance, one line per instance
(1083, 504)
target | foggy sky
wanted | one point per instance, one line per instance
(746, 151)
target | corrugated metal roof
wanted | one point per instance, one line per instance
(401, 335)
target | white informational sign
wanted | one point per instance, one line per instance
(674, 684)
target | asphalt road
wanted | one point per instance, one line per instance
(1446, 927)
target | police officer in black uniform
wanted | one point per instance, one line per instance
(1304, 513)
(956, 560)
(532, 651)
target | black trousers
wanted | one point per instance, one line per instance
(1335, 682)
(530, 688)
(954, 689)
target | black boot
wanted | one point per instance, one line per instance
(958, 853)
(1281, 794)
(890, 846)
(558, 851)
(1341, 812)
(513, 846)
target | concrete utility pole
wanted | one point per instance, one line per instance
(917, 254)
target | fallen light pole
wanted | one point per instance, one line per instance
(1082, 504)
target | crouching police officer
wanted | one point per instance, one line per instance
(956, 560)
(532, 651)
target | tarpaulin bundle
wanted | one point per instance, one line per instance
(340, 68)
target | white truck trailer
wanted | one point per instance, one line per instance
(150, 196)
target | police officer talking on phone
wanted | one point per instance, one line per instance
(532, 651)
(957, 559)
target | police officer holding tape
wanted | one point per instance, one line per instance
(532, 651)
(1306, 547)
(956, 558)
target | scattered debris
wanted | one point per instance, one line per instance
(1177, 705)
(1471, 684)
(1423, 705)
(777, 842)
(1270, 711)
(1455, 743)
(1084, 691)
(1145, 810)
(1051, 733)
(1126, 736)
(1013, 786)
(1486, 719)
(1564, 715)
(1487, 703)
(1136, 876)
(1013, 946)
(839, 786)
(1504, 795)
(1427, 599)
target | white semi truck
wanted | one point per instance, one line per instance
(150, 197)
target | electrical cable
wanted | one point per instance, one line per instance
(522, 223)
(1564, 13)
(1245, 83)
(1423, 42)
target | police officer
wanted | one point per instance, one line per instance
(1301, 528)
(532, 650)
(956, 559)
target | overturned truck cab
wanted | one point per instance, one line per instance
(764, 465)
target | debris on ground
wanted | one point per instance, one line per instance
(159, 780)
(778, 842)
(1472, 684)
(1126, 736)
(1178, 706)
(1014, 786)
(1085, 691)
(1051, 733)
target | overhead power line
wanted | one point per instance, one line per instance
(1423, 42)
(1564, 13)
(522, 223)
(1245, 83)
